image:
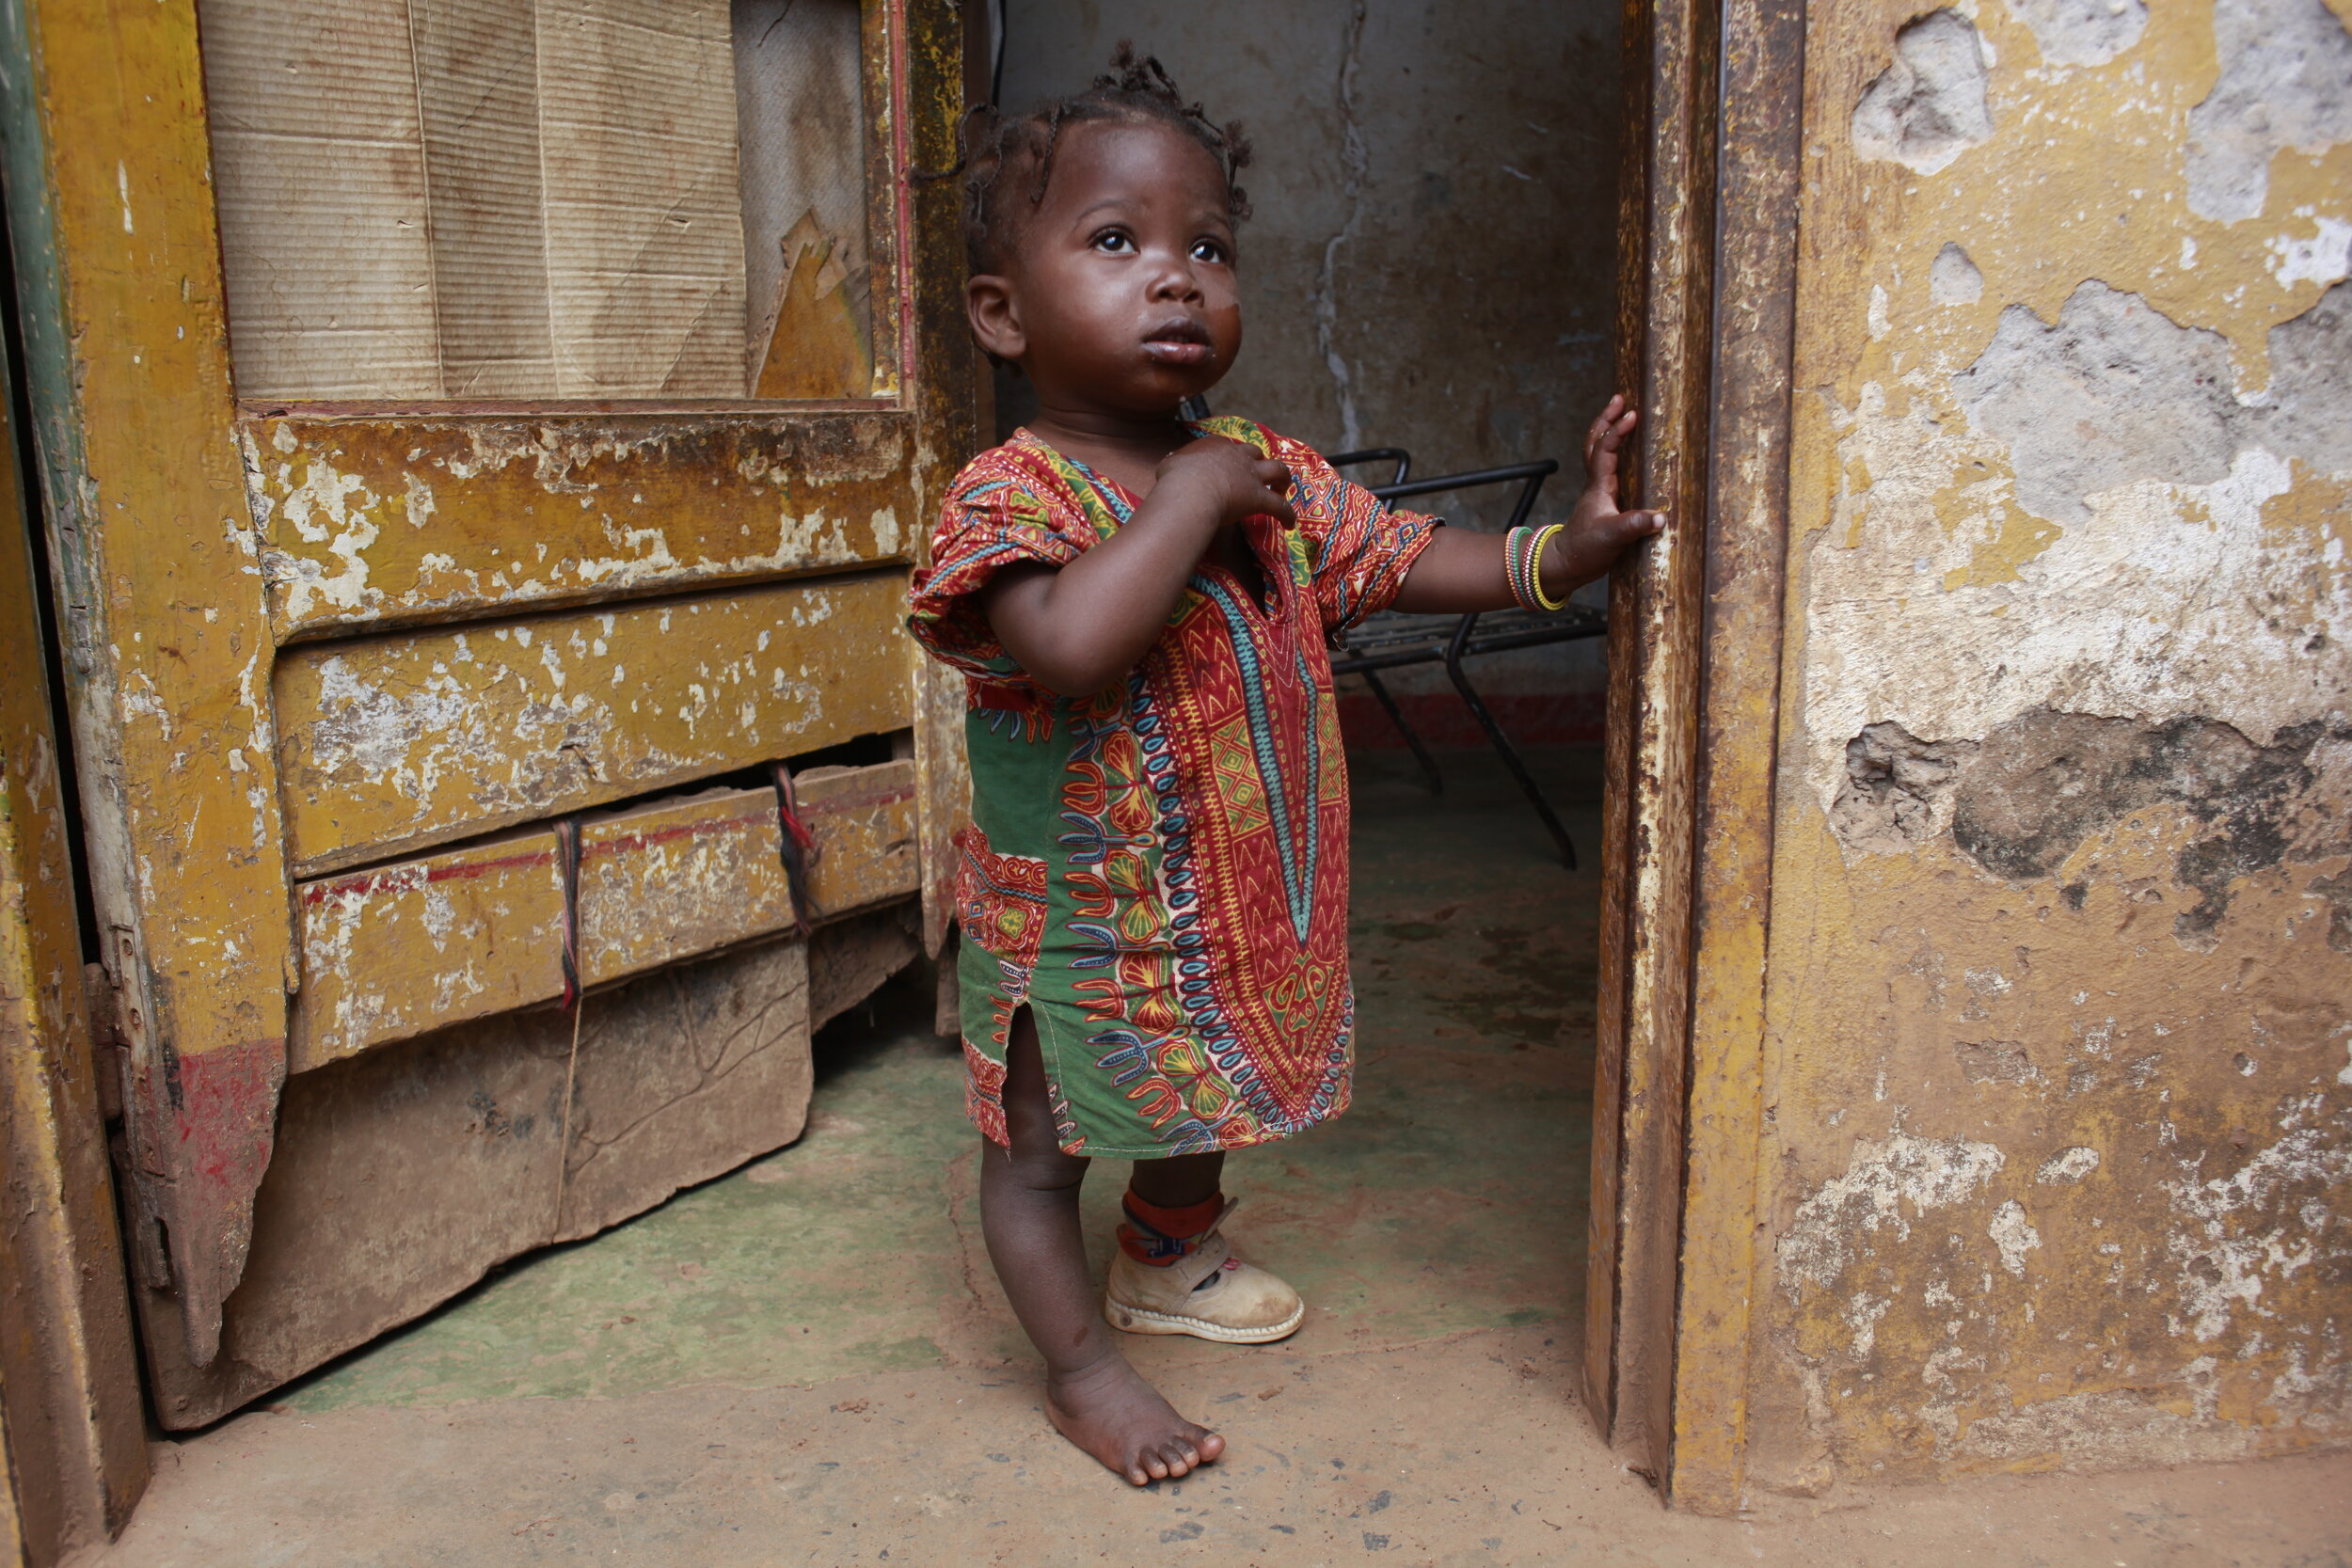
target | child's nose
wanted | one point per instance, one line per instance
(1174, 281)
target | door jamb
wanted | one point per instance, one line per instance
(1708, 254)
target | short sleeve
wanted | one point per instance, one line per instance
(1361, 546)
(991, 520)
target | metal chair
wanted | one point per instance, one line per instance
(1393, 639)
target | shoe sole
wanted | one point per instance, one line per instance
(1140, 1320)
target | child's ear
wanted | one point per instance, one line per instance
(996, 318)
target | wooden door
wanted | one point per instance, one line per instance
(1707, 238)
(482, 441)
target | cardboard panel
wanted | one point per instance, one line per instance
(318, 158)
(402, 1176)
(644, 217)
(477, 88)
(396, 743)
(478, 198)
(800, 113)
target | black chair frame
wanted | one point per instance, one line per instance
(1366, 654)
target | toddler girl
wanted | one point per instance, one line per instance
(1153, 892)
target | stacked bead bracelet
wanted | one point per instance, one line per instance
(1522, 564)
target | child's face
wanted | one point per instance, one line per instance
(1120, 298)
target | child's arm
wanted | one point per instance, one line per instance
(1463, 570)
(1077, 629)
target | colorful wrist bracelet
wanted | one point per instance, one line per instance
(1535, 570)
(1515, 566)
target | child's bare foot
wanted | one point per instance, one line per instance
(1112, 1413)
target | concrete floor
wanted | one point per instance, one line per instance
(808, 1361)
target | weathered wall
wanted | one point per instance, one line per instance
(2059, 1114)
(1432, 260)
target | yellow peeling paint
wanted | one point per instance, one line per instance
(2055, 1176)
(390, 745)
(389, 523)
(404, 949)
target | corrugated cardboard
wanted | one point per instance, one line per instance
(480, 198)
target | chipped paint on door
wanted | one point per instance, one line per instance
(396, 743)
(386, 523)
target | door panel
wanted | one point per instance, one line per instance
(393, 952)
(428, 583)
(395, 743)
(381, 523)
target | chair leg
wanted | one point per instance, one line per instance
(1511, 759)
(1396, 716)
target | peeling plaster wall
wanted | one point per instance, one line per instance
(2058, 1099)
(1432, 258)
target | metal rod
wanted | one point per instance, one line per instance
(1466, 481)
(1403, 459)
(1503, 748)
(1396, 716)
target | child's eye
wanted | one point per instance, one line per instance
(1112, 242)
(1208, 250)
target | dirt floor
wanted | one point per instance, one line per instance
(807, 1361)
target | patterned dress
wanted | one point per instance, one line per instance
(1159, 871)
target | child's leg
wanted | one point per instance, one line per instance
(1029, 1213)
(1179, 1181)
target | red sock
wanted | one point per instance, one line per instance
(1158, 1236)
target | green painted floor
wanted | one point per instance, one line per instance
(1452, 1199)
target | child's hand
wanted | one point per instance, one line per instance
(1229, 478)
(1597, 533)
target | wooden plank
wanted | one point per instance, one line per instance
(384, 523)
(394, 744)
(402, 949)
(399, 950)
(167, 646)
(1754, 285)
(945, 774)
(863, 819)
(75, 1436)
(1655, 647)
(848, 959)
(1597, 1363)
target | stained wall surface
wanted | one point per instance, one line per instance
(2059, 1100)
(1431, 259)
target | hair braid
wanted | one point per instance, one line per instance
(1138, 89)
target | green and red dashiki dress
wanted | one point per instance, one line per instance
(1159, 871)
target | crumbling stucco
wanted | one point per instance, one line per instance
(2082, 32)
(2286, 81)
(1887, 1185)
(1928, 108)
(1953, 279)
(2064, 864)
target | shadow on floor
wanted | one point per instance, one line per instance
(1450, 1198)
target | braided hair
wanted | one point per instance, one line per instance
(1002, 153)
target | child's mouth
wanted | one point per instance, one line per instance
(1179, 342)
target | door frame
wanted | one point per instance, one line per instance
(1706, 330)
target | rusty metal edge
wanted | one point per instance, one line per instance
(1597, 1363)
